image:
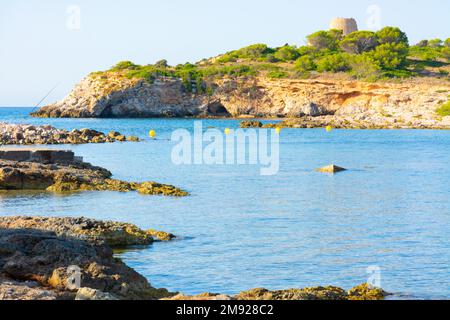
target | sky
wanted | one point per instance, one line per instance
(44, 43)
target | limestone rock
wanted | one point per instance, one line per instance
(154, 188)
(301, 109)
(51, 261)
(160, 235)
(133, 139)
(92, 294)
(73, 177)
(331, 169)
(121, 138)
(317, 293)
(367, 292)
(201, 297)
(18, 134)
(25, 290)
(361, 292)
(115, 234)
(323, 100)
(113, 134)
(250, 124)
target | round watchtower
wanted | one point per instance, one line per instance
(347, 25)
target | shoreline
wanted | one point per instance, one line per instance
(72, 235)
(26, 134)
(310, 103)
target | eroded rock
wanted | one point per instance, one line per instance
(23, 134)
(331, 169)
(361, 292)
(251, 124)
(115, 234)
(53, 262)
(72, 177)
(92, 294)
(319, 102)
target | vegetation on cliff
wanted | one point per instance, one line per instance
(362, 55)
(444, 110)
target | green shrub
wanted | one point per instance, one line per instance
(286, 53)
(305, 64)
(277, 74)
(399, 73)
(363, 67)
(271, 58)
(333, 63)
(254, 51)
(425, 53)
(446, 53)
(435, 43)
(359, 42)
(447, 43)
(422, 44)
(149, 72)
(161, 63)
(392, 35)
(307, 50)
(227, 57)
(390, 56)
(444, 110)
(325, 39)
(125, 65)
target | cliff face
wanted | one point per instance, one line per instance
(411, 103)
(97, 96)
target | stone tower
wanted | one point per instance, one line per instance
(347, 25)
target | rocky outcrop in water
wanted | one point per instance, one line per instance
(331, 169)
(115, 234)
(72, 177)
(23, 134)
(317, 102)
(40, 265)
(361, 292)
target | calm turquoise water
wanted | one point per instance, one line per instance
(299, 228)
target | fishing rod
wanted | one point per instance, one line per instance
(46, 96)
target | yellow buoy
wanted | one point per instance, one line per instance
(152, 133)
(329, 128)
(278, 130)
(227, 131)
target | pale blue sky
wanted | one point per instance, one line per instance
(38, 50)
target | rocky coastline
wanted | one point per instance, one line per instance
(361, 292)
(73, 176)
(38, 258)
(307, 103)
(25, 134)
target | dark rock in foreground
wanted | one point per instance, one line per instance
(36, 264)
(69, 258)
